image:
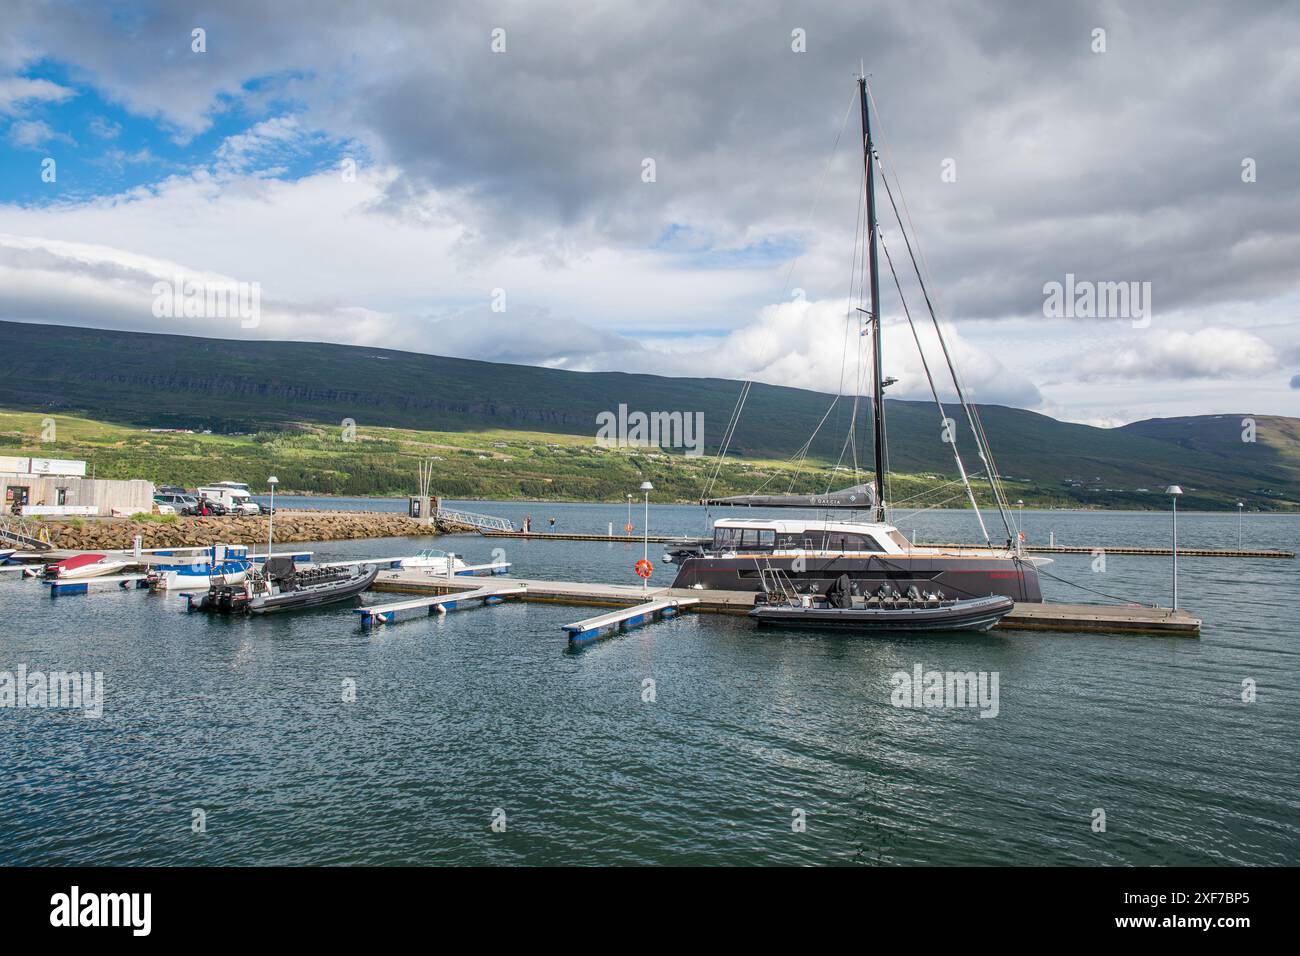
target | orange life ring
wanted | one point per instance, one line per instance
(628, 527)
(643, 568)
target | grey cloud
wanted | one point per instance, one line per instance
(1112, 166)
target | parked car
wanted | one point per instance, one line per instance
(265, 509)
(212, 506)
(163, 509)
(181, 503)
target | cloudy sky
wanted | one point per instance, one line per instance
(1028, 146)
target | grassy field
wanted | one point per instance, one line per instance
(382, 461)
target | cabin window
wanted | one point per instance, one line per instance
(767, 539)
(726, 538)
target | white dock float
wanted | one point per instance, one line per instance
(303, 556)
(393, 564)
(594, 628)
(82, 585)
(387, 613)
(483, 570)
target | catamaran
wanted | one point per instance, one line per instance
(816, 555)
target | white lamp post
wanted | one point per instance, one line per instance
(628, 529)
(270, 525)
(1020, 531)
(1174, 491)
(1240, 505)
(647, 488)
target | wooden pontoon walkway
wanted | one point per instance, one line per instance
(603, 625)
(1106, 618)
(583, 536)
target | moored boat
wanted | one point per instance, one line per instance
(278, 585)
(970, 614)
(198, 571)
(815, 553)
(435, 561)
(85, 566)
(845, 607)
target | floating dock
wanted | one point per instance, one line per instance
(1155, 552)
(592, 629)
(389, 613)
(470, 570)
(586, 536)
(83, 585)
(1102, 618)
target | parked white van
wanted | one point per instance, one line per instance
(234, 495)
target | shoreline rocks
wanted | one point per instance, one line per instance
(120, 533)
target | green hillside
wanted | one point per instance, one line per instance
(264, 399)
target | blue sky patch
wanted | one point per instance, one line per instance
(101, 149)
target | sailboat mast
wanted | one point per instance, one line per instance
(877, 377)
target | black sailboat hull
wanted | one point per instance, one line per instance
(955, 576)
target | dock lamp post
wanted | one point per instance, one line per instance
(1240, 505)
(647, 488)
(270, 524)
(1020, 531)
(1173, 491)
(628, 528)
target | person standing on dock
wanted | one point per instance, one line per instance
(552, 522)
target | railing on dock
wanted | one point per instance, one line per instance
(474, 520)
(16, 531)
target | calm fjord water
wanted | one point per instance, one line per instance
(457, 716)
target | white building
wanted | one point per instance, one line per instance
(52, 486)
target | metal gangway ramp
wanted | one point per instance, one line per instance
(25, 535)
(473, 519)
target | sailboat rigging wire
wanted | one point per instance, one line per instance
(1084, 587)
(744, 391)
(981, 440)
(972, 416)
(943, 414)
(921, 511)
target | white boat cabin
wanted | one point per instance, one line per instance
(762, 534)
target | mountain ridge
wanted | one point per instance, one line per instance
(176, 380)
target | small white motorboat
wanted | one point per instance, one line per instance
(6, 554)
(434, 561)
(86, 566)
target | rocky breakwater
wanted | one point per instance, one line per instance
(178, 532)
